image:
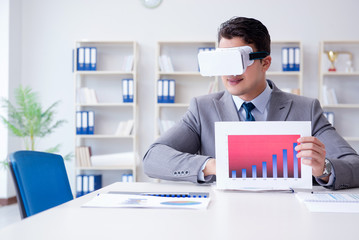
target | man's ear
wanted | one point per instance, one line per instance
(266, 62)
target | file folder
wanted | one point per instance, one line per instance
(165, 91)
(125, 92)
(87, 58)
(296, 59)
(172, 90)
(95, 182)
(291, 59)
(84, 119)
(160, 91)
(85, 184)
(79, 191)
(78, 122)
(91, 122)
(80, 59)
(285, 59)
(130, 90)
(93, 59)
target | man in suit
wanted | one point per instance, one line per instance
(186, 152)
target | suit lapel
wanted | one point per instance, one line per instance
(225, 108)
(279, 105)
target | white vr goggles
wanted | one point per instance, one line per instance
(227, 61)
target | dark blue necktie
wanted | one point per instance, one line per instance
(248, 107)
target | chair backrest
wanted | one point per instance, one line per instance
(41, 181)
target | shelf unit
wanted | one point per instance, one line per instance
(285, 80)
(345, 83)
(110, 109)
(189, 82)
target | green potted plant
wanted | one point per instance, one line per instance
(28, 121)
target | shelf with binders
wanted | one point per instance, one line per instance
(109, 148)
(105, 57)
(286, 69)
(177, 61)
(338, 84)
(112, 145)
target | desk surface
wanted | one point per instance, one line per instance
(230, 215)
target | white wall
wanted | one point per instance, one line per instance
(4, 83)
(50, 27)
(9, 78)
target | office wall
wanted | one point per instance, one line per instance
(49, 29)
(10, 54)
(4, 76)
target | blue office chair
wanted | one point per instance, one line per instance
(40, 179)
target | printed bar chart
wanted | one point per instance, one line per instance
(263, 156)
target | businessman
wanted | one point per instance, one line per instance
(186, 152)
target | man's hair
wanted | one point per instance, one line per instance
(250, 30)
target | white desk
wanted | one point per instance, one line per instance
(230, 215)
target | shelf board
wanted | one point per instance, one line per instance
(102, 136)
(103, 73)
(352, 139)
(106, 105)
(341, 106)
(105, 42)
(340, 42)
(114, 167)
(281, 42)
(282, 73)
(180, 43)
(179, 105)
(181, 73)
(341, 74)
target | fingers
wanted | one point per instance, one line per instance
(312, 152)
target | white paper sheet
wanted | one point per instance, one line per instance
(110, 200)
(266, 145)
(330, 202)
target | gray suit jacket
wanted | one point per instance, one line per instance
(180, 152)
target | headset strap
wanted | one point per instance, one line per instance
(258, 55)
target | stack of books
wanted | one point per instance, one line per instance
(164, 125)
(165, 63)
(114, 159)
(330, 117)
(87, 96)
(125, 128)
(329, 96)
(127, 64)
(83, 156)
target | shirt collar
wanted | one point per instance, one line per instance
(260, 102)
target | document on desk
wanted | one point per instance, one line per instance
(261, 155)
(137, 200)
(330, 202)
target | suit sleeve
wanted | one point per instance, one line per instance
(344, 159)
(174, 156)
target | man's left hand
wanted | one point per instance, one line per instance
(312, 152)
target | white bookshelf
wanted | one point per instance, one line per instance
(110, 108)
(189, 82)
(345, 83)
(285, 79)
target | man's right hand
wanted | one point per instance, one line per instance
(210, 168)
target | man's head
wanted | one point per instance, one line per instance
(250, 30)
(238, 32)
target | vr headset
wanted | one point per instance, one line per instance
(227, 61)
